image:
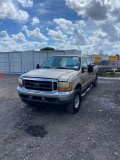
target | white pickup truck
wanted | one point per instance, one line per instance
(59, 80)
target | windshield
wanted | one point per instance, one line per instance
(62, 62)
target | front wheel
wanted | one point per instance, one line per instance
(74, 106)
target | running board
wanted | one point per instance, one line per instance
(85, 91)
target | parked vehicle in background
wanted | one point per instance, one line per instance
(59, 80)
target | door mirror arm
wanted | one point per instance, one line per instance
(84, 69)
(90, 68)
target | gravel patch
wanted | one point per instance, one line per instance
(48, 133)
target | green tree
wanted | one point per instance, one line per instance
(47, 49)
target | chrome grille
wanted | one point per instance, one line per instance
(40, 84)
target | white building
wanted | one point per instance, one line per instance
(21, 62)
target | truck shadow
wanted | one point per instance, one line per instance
(45, 108)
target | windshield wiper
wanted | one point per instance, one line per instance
(60, 68)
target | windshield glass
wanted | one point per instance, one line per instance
(62, 62)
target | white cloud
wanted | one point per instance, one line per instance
(19, 37)
(112, 31)
(100, 34)
(44, 7)
(93, 41)
(67, 28)
(97, 10)
(8, 44)
(26, 3)
(99, 29)
(35, 21)
(57, 35)
(87, 36)
(81, 23)
(102, 25)
(79, 37)
(25, 28)
(64, 25)
(29, 45)
(42, 11)
(36, 34)
(4, 34)
(10, 10)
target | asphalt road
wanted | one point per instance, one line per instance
(47, 133)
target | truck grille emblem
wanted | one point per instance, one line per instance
(36, 85)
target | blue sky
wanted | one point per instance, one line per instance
(87, 25)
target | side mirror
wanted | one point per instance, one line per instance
(90, 68)
(37, 66)
(84, 69)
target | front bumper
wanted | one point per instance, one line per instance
(34, 96)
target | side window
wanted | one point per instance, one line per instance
(84, 62)
(88, 60)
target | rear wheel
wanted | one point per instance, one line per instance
(74, 106)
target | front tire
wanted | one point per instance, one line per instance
(74, 106)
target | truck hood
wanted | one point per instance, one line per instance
(60, 74)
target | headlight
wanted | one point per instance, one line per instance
(64, 86)
(20, 82)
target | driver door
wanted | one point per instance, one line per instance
(85, 74)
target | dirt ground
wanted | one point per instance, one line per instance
(50, 133)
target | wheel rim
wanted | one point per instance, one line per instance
(77, 102)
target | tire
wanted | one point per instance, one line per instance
(74, 106)
(94, 84)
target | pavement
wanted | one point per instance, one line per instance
(50, 133)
